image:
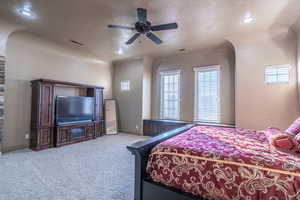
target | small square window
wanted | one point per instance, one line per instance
(277, 74)
(125, 85)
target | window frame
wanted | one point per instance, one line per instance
(161, 111)
(125, 85)
(288, 66)
(207, 69)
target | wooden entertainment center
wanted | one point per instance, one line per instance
(45, 133)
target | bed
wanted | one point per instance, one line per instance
(210, 162)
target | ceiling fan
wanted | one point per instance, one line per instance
(144, 27)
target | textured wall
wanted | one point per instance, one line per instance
(29, 57)
(2, 82)
(221, 55)
(130, 103)
(5, 30)
(147, 80)
(260, 105)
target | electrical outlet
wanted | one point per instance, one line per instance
(27, 136)
(136, 127)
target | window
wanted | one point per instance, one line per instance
(207, 105)
(277, 74)
(125, 85)
(170, 95)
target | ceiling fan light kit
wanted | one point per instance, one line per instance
(144, 27)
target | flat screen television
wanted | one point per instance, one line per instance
(71, 109)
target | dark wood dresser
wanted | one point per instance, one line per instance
(44, 131)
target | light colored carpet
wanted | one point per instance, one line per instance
(99, 169)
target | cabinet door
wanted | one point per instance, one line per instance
(90, 131)
(63, 135)
(98, 104)
(45, 136)
(98, 129)
(46, 105)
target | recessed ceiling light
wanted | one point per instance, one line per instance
(120, 51)
(248, 18)
(26, 11)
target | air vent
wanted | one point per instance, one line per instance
(76, 43)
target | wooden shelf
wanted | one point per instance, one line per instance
(65, 83)
(44, 132)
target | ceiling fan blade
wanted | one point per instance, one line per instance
(121, 27)
(163, 27)
(133, 38)
(154, 38)
(142, 15)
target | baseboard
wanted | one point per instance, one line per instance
(14, 148)
(129, 132)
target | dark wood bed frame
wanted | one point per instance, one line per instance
(144, 188)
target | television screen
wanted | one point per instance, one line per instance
(71, 109)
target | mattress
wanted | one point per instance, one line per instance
(225, 163)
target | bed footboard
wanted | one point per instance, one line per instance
(141, 151)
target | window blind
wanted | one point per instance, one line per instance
(277, 74)
(207, 106)
(170, 95)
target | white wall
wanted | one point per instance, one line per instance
(30, 57)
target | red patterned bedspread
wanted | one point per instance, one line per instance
(225, 163)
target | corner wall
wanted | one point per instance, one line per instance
(5, 30)
(2, 86)
(30, 57)
(260, 105)
(297, 30)
(222, 55)
(129, 103)
(147, 85)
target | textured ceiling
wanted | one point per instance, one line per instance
(201, 22)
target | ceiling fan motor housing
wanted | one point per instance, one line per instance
(143, 28)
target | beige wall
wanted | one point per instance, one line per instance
(259, 105)
(222, 55)
(5, 30)
(298, 61)
(147, 84)
(130, 103)
(30, 57)
(298, 65)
